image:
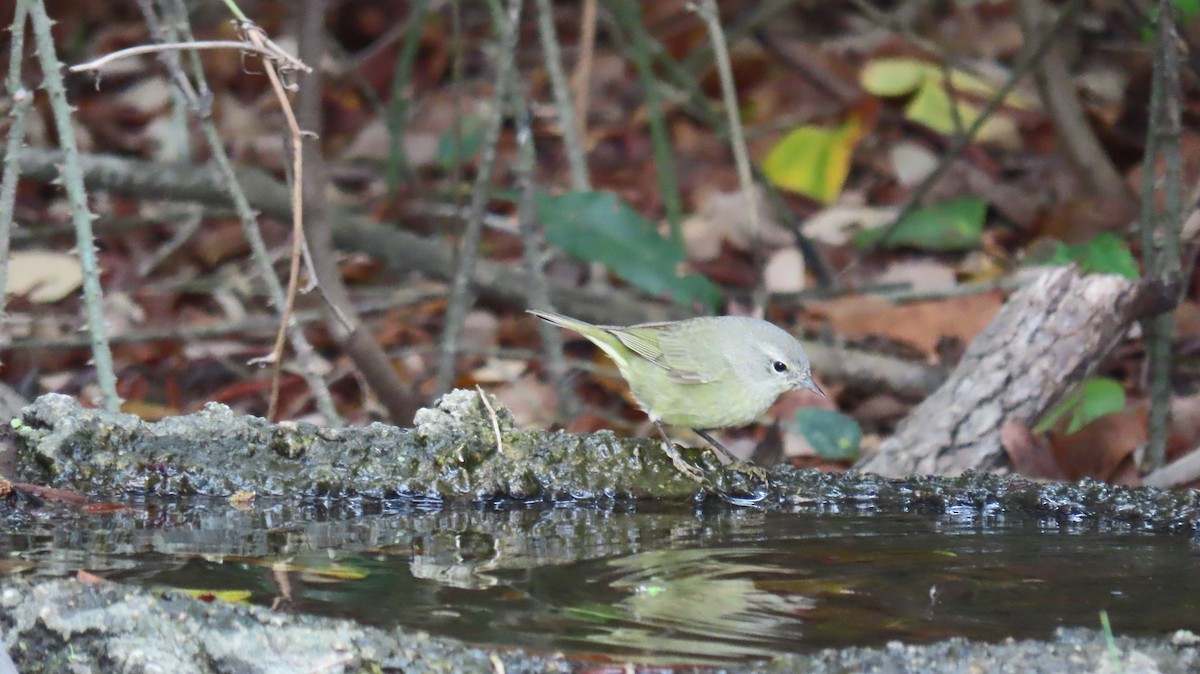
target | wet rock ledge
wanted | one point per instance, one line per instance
(466, 450)
(69, 626)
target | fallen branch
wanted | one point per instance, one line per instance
(1047, 338)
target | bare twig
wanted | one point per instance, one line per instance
(535, 255)
(492, 414)
(707, 9)
(581, 80)
(699, 105)
(394, 247)
(226, 183)
(267, 49)
(344, 322)
(1088, 158)
(930, 47)
(576, 158)
(397, 118)
(461, 291)
(628, 14)
(258, 38)
(754, 16)
(253, 327)
(22, 100)
(81, 215)
(1160, 234)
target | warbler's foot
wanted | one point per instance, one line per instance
(743, 483)
(755, 471)
(683, 466)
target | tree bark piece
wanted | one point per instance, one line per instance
(1049, 336)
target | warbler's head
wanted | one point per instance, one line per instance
(778, 360)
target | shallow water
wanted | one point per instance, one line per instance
(715, 585)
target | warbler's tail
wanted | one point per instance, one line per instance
(608, 338)
(582, 327)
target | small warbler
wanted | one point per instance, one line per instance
(701, 373)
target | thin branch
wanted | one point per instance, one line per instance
(249, 327)
(225, 181)
(343, 320)
(397, 117)
(460, 290)
(535, 256)
(394, 247)
(257, 37)
(267, 49)
(707, 10)
(576, 158)
(1160, 234)
(22, 100)
(81, 215)
(1088, 158)
(699, 105)
(581, 79)
(628, 14)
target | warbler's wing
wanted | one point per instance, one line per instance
(686, 359)
(643, 340)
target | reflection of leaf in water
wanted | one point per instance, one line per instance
(232, 596)
(698, 606)
(600, 613)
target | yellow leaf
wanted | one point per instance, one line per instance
(891, 77)
(895, 76)
(931, 107)
(232, 596)
(814, 160)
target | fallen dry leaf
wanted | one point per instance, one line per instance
(784, 271)
(922, 274)
(45, 276)
(1098, 449)
(838, 224)
(920, 324)
(1030, 455)
(725, 216)
(533, 403)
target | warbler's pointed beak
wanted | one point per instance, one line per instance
(811, 385)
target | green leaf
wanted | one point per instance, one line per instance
(1105, 254)
(1095, 398)
(949, 226)
(814, 160)
(470, 133)
(832, 435)
(599, 227)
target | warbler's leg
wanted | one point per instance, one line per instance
(676, 458)
(713, 441)
(735, 462)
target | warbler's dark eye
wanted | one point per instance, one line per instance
(779, 366)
